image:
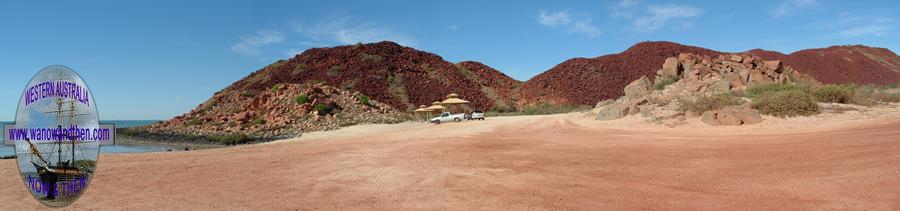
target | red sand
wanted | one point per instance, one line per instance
(511, 163)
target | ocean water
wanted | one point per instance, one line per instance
(128, 123)
(121, 148)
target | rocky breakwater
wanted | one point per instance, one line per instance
(283, 111)
(687, 77)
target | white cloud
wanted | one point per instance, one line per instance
(345, 30)
(453, 27)
(251, 45)
(847, 25)
(789, 6)
(622, 8)
(658, 16)
(580, 25)
(558, 18)
(585, 27)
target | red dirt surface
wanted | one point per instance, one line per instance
(842, 64)
(509, 163)
(587, 81)
(400, 76)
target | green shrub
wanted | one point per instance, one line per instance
(276, 87)
(259, 121)
(230, 139)
(362, 99)
(755, 91)
(465, 72)
(299, 68)
(786, 104)
(302, 99)
(334, 70)
(703, 103)
(835, 93)
(665, 82)
(194, 121)
(319, 107)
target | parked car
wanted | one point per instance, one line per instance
(446, 117)
(479, 115)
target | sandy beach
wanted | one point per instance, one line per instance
(552, 162)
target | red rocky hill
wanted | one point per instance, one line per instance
(400, 76)
(587, 81)
(842, 64)
(497, 86)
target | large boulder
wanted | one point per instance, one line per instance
(773, 65)
(732, 115)
(639, 88)
(671, 67)
(614, 111)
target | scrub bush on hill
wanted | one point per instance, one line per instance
(302, 99)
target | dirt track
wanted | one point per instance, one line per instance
(511, 163)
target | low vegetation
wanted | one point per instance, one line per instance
(835, 93)
(302, 99)
(259, 121)
(758, 90)
(786, 103)
(537, 109)
(362, 99)
(230, 139)
(334, 71)
(703, 103)
(276, 87)
(194, 121)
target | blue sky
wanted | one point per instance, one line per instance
(158, 59)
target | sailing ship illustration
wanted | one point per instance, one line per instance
(59, 178)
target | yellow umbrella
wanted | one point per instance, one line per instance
(436, 106)
(454, 101)
(423, 110)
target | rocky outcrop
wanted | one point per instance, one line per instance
(690, 75)
(732, 116)
(636, 94)
(586, 81)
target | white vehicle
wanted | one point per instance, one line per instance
(446, 117)
(479, 115)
